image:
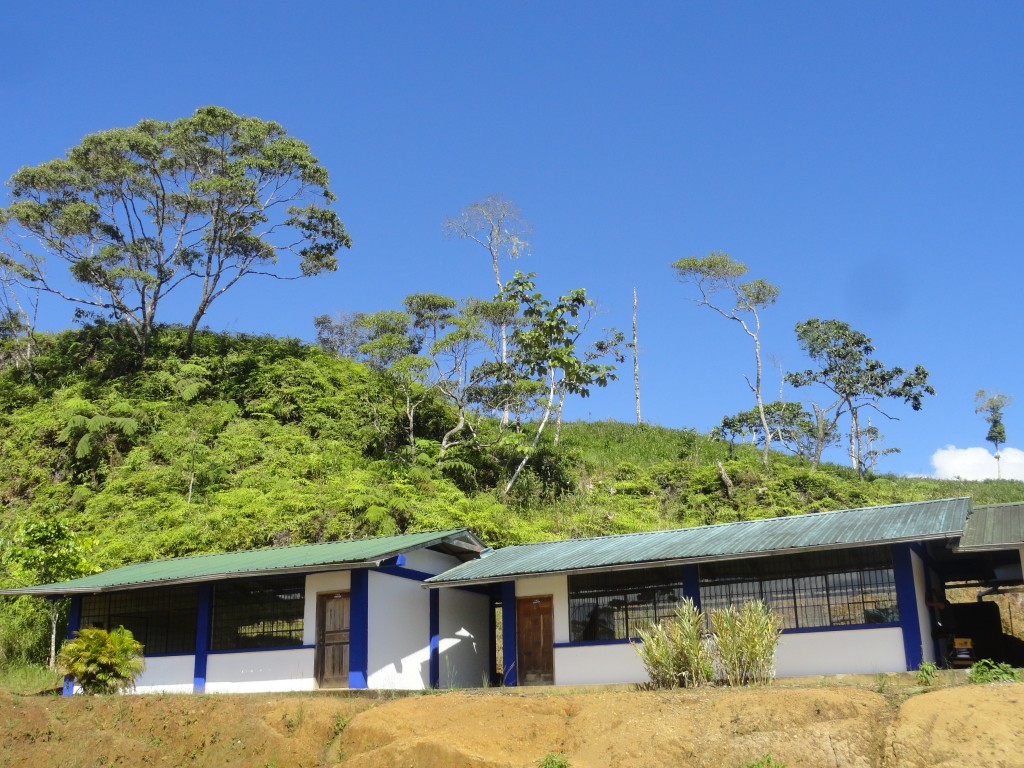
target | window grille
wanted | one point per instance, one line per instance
(817, 589)
(258, 614)
(163, 620)
(612, 606)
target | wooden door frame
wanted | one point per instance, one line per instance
(318, 635)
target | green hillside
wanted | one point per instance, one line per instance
(258, 441)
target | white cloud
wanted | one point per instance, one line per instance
(977, 463)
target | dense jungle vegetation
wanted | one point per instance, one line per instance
(259, 441)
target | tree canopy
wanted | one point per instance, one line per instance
(846, 366)
(198, 203)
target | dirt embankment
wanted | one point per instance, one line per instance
(816, 726)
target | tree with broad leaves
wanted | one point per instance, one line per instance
(716, 274)
(546, 346)
(992, 405)
(46, 552)
(138, 213)
(846, 367)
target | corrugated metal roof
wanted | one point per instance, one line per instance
(994, 526)
(914, 521)
(255, 562)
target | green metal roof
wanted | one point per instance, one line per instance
(995, 526)
(915, 521)
(302, 558)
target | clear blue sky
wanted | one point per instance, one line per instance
(865, 157)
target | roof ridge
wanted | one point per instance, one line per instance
(446, 531)
(739, 522)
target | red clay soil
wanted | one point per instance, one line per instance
(823, 725)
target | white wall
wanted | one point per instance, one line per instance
(167, 674)
(399, 633)
(924, 619)
(430, 561)
(255, 671)
(465, 643)
(611, 663)
(864, 651)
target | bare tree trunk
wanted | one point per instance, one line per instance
(726, 480)
(765, 454)
(536, 438)
(820, 430)
(636, 363)
(54, 615)
(855, 442)
(558, 420)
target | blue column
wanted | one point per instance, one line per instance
(203, 615)
(508, 633)
(906, 601)
(74, 622)
(435, 638)
(359, 629)
(691, 583)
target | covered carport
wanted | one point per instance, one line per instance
(982, 578)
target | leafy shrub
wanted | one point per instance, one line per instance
(554, 760)
(766, 762)
(746, 640)
(926, 672)
(101, 661)
(988, 671)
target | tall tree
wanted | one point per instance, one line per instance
(203, 201)
(496, 225)
(45, 552)
(992, 405)
(718, 274)
(846, 367)
(547, 347)
(634, 348)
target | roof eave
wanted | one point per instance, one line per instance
(224, 576)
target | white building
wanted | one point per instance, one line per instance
(859, 591)
(348, 614)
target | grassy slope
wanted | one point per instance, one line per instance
(259, 441)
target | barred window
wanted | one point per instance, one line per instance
(816, 589)
(163, 620)
(266, 613)
(612, 606)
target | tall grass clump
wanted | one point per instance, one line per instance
(746, 640)
(740, 650)
(675, 652)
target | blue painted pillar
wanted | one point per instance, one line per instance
(906, 602)
(359, 629)
(691, 583)
(435, 638)
(74, 622)
(203, 614)
(508, 634)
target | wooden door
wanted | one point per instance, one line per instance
(332, 638)
(534, 638)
